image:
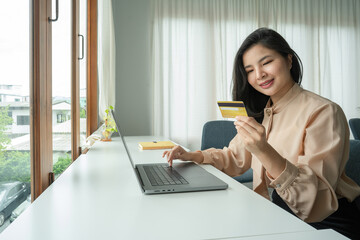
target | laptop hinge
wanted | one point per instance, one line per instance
(139, 178)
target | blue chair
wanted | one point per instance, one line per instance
(218, 134)
(355, 127)
(352, 168)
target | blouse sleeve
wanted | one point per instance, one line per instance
(308, 186)
(233, 160)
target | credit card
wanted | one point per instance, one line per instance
(231, 109)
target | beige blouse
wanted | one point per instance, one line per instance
(312, 134)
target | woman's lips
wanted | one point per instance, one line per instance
(267, 84)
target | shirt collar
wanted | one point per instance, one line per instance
(285, 100)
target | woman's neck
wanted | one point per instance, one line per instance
(274, 99)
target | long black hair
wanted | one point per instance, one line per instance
(241, 90)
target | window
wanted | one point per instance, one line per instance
(15, 141)
(23, 120)
(82, 69)
(26, 48)
(61, 87)
(61, 118)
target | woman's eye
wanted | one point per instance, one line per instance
(249, 71)
(267, 62)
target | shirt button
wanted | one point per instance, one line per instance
(278, 185)
(268, 112)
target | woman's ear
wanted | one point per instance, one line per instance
(290, 60)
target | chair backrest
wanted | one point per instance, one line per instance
(355, 127)
(353, 165)
(217, 134)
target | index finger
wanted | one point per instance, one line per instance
(250, 121)
(241, 118)
(164, 153)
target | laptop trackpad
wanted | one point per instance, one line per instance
(195, 174)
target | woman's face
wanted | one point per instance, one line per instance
(268, 71)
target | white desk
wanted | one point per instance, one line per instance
(98, 197)
(327, 234)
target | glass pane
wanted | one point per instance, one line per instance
(61, 88)
(83, 32)
(14, 110)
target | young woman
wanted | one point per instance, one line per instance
(295, 141)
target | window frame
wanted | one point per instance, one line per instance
(92, 88)
(75, 83)
(40, 97)
(41, 88)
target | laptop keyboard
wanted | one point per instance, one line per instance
(160, 175)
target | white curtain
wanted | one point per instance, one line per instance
(106, 56)
(195, 42)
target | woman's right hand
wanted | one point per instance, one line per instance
(178, 152)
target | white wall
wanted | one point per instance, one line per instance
(133, 73)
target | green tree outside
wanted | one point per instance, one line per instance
(82, 113)
(15, 165)
(5, 120)
(62, 163)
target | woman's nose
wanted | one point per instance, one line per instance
(260, 74)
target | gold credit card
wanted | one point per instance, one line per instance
(231, 109)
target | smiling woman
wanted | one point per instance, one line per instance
(298, 145)
(269, 75)
(258, 64)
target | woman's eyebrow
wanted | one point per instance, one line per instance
(260, 60)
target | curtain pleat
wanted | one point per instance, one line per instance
(106, 56)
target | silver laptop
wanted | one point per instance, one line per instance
(181, 177)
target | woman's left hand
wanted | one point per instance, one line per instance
(252, 134)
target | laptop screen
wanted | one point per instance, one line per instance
(122, 137)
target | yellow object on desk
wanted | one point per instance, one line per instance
(156, 145)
